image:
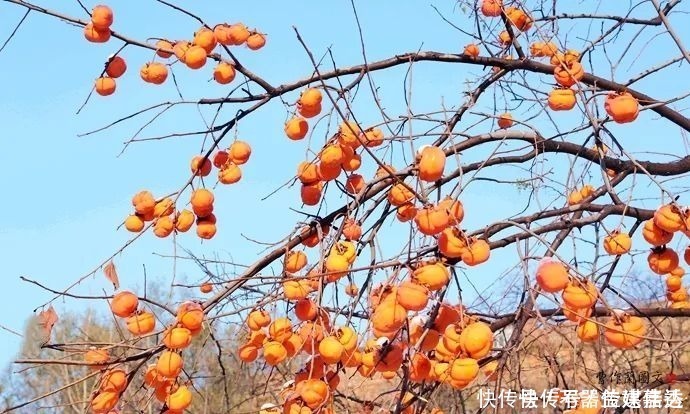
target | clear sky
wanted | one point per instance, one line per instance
(65, 195)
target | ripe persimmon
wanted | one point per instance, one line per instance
(95, 35)
(102, 17)
(296, 128)
(239, 152)
(505, 121)
(164, 49)
(116, 67)
(141, 323)
(310, 97)
(104, 401)
(220, 158)
(144, 203)
(97, 358)
(179, 400)
(124, 304)
(202, 202)
(180, 49)
(256, 41)
(201, 166)
(105, 86)
(195, 57)
(205, 39)
(169, 364)
(113, 380)
(206, 287)
(206, 227)
(311, 193)
(220, 32)
(134, 223)
(177, 337)
(163, 226)
(230, 173)
(238, 33)
(471, 50)
(224, 73)
(154, 72)
(309, 111)
(190, 315)
(184, 221)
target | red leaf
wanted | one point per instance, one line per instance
(46, 320)
(670, 378)
(111, 274)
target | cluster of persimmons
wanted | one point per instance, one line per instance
(568, 71)
(167, 220)
(193, 53)
(405, 338)
(580, 295)
(412, 330)
(163, 376)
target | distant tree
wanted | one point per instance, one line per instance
(219, 378)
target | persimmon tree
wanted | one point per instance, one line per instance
(377, 280)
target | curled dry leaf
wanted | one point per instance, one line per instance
(46, 320)
(111, 274)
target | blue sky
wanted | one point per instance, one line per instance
(65, 195)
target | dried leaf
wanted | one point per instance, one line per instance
(46, 320)
(670, 378)
(111, 274)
